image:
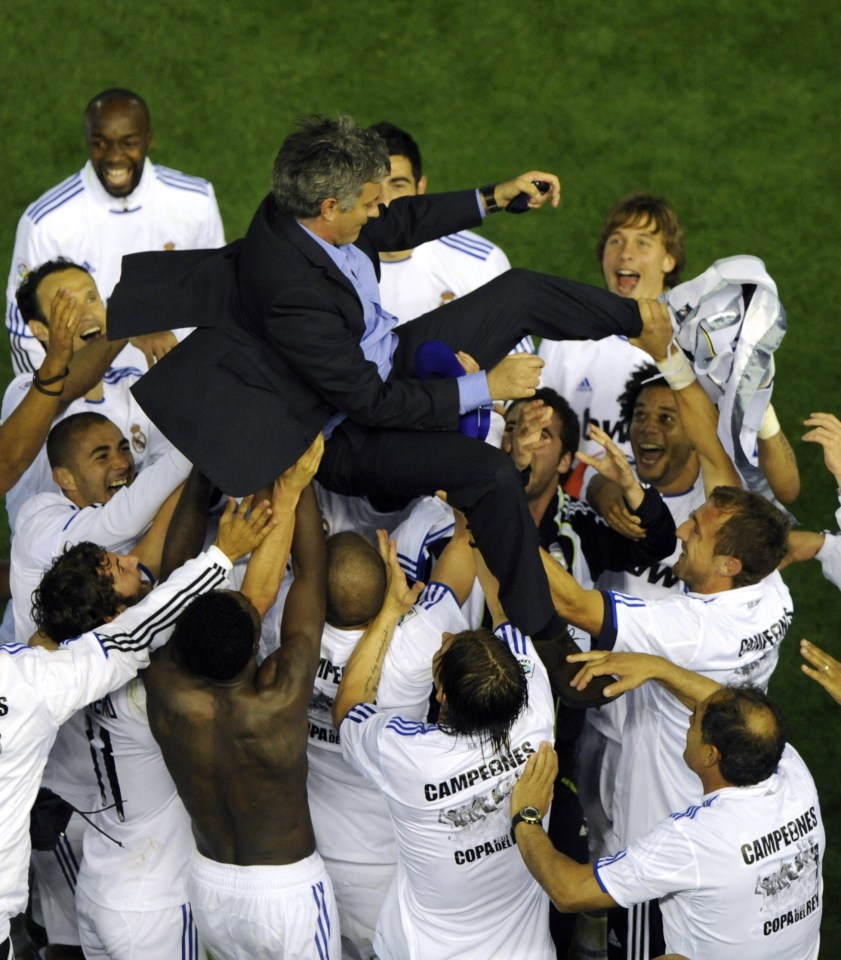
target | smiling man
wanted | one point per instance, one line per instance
(102, 501)
(59, 281)
(119, 202)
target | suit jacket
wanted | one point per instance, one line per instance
(277, 350)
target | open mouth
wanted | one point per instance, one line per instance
(626, 281)
(91, 333)
(650, 455)
(115, 485)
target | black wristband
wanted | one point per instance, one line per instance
(50, 380)
(42, 389)
(487, 193)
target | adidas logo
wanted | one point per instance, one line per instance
(584, 385)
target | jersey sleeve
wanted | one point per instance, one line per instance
(359, 734)
(406, 679)
(212, 232)
(829, 554)
(130, 511)
(87, 667)
(670, 628)
(29, 252)
(661, 862)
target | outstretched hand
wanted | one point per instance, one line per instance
(826, 430)
(399, 596)
(609, 501)
(299, 476)
(632, 669)
(526, 437)
(155, 346)
(613, 466)
(822, 668)
(241, 531)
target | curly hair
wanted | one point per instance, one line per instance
(76, 594)
(215, 636)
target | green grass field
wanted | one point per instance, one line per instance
(730, 109)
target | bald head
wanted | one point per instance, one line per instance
(356, 580)
(748, 731)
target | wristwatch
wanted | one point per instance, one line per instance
(526, 815)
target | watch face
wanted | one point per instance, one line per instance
(530, 814)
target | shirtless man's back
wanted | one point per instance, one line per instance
(234, 738)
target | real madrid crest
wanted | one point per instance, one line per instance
(138, 438)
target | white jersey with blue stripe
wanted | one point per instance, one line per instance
(41, 690)
(738, 875)
(80, 220)
(49, 521)
(461, 889)
(137, 805)
(349, 814)
(732, 637)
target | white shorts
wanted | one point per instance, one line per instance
(136, 935)
(360, 889)
(261, 913)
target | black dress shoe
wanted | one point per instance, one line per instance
(553, 653)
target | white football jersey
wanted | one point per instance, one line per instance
(461, 889)
(738, 875)
(137, 805)
(732, 637)
(80, 220)
(41, 689)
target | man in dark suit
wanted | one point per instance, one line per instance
(297, 341)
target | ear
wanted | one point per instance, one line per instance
(565, 463)
(729, 566)
(422, 185)
(711, 755)
(39, 330)
(65, 479)
(329, 208)
(668, 263)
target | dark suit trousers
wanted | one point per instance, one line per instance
(393, 466)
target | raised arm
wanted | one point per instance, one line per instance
(571, 886)
(292, 667)
(61, 378)
(361, 676)
(267, 566)
(455, 567)
(582, 608)
(635, 669)
(697, 411)
(186, 531)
